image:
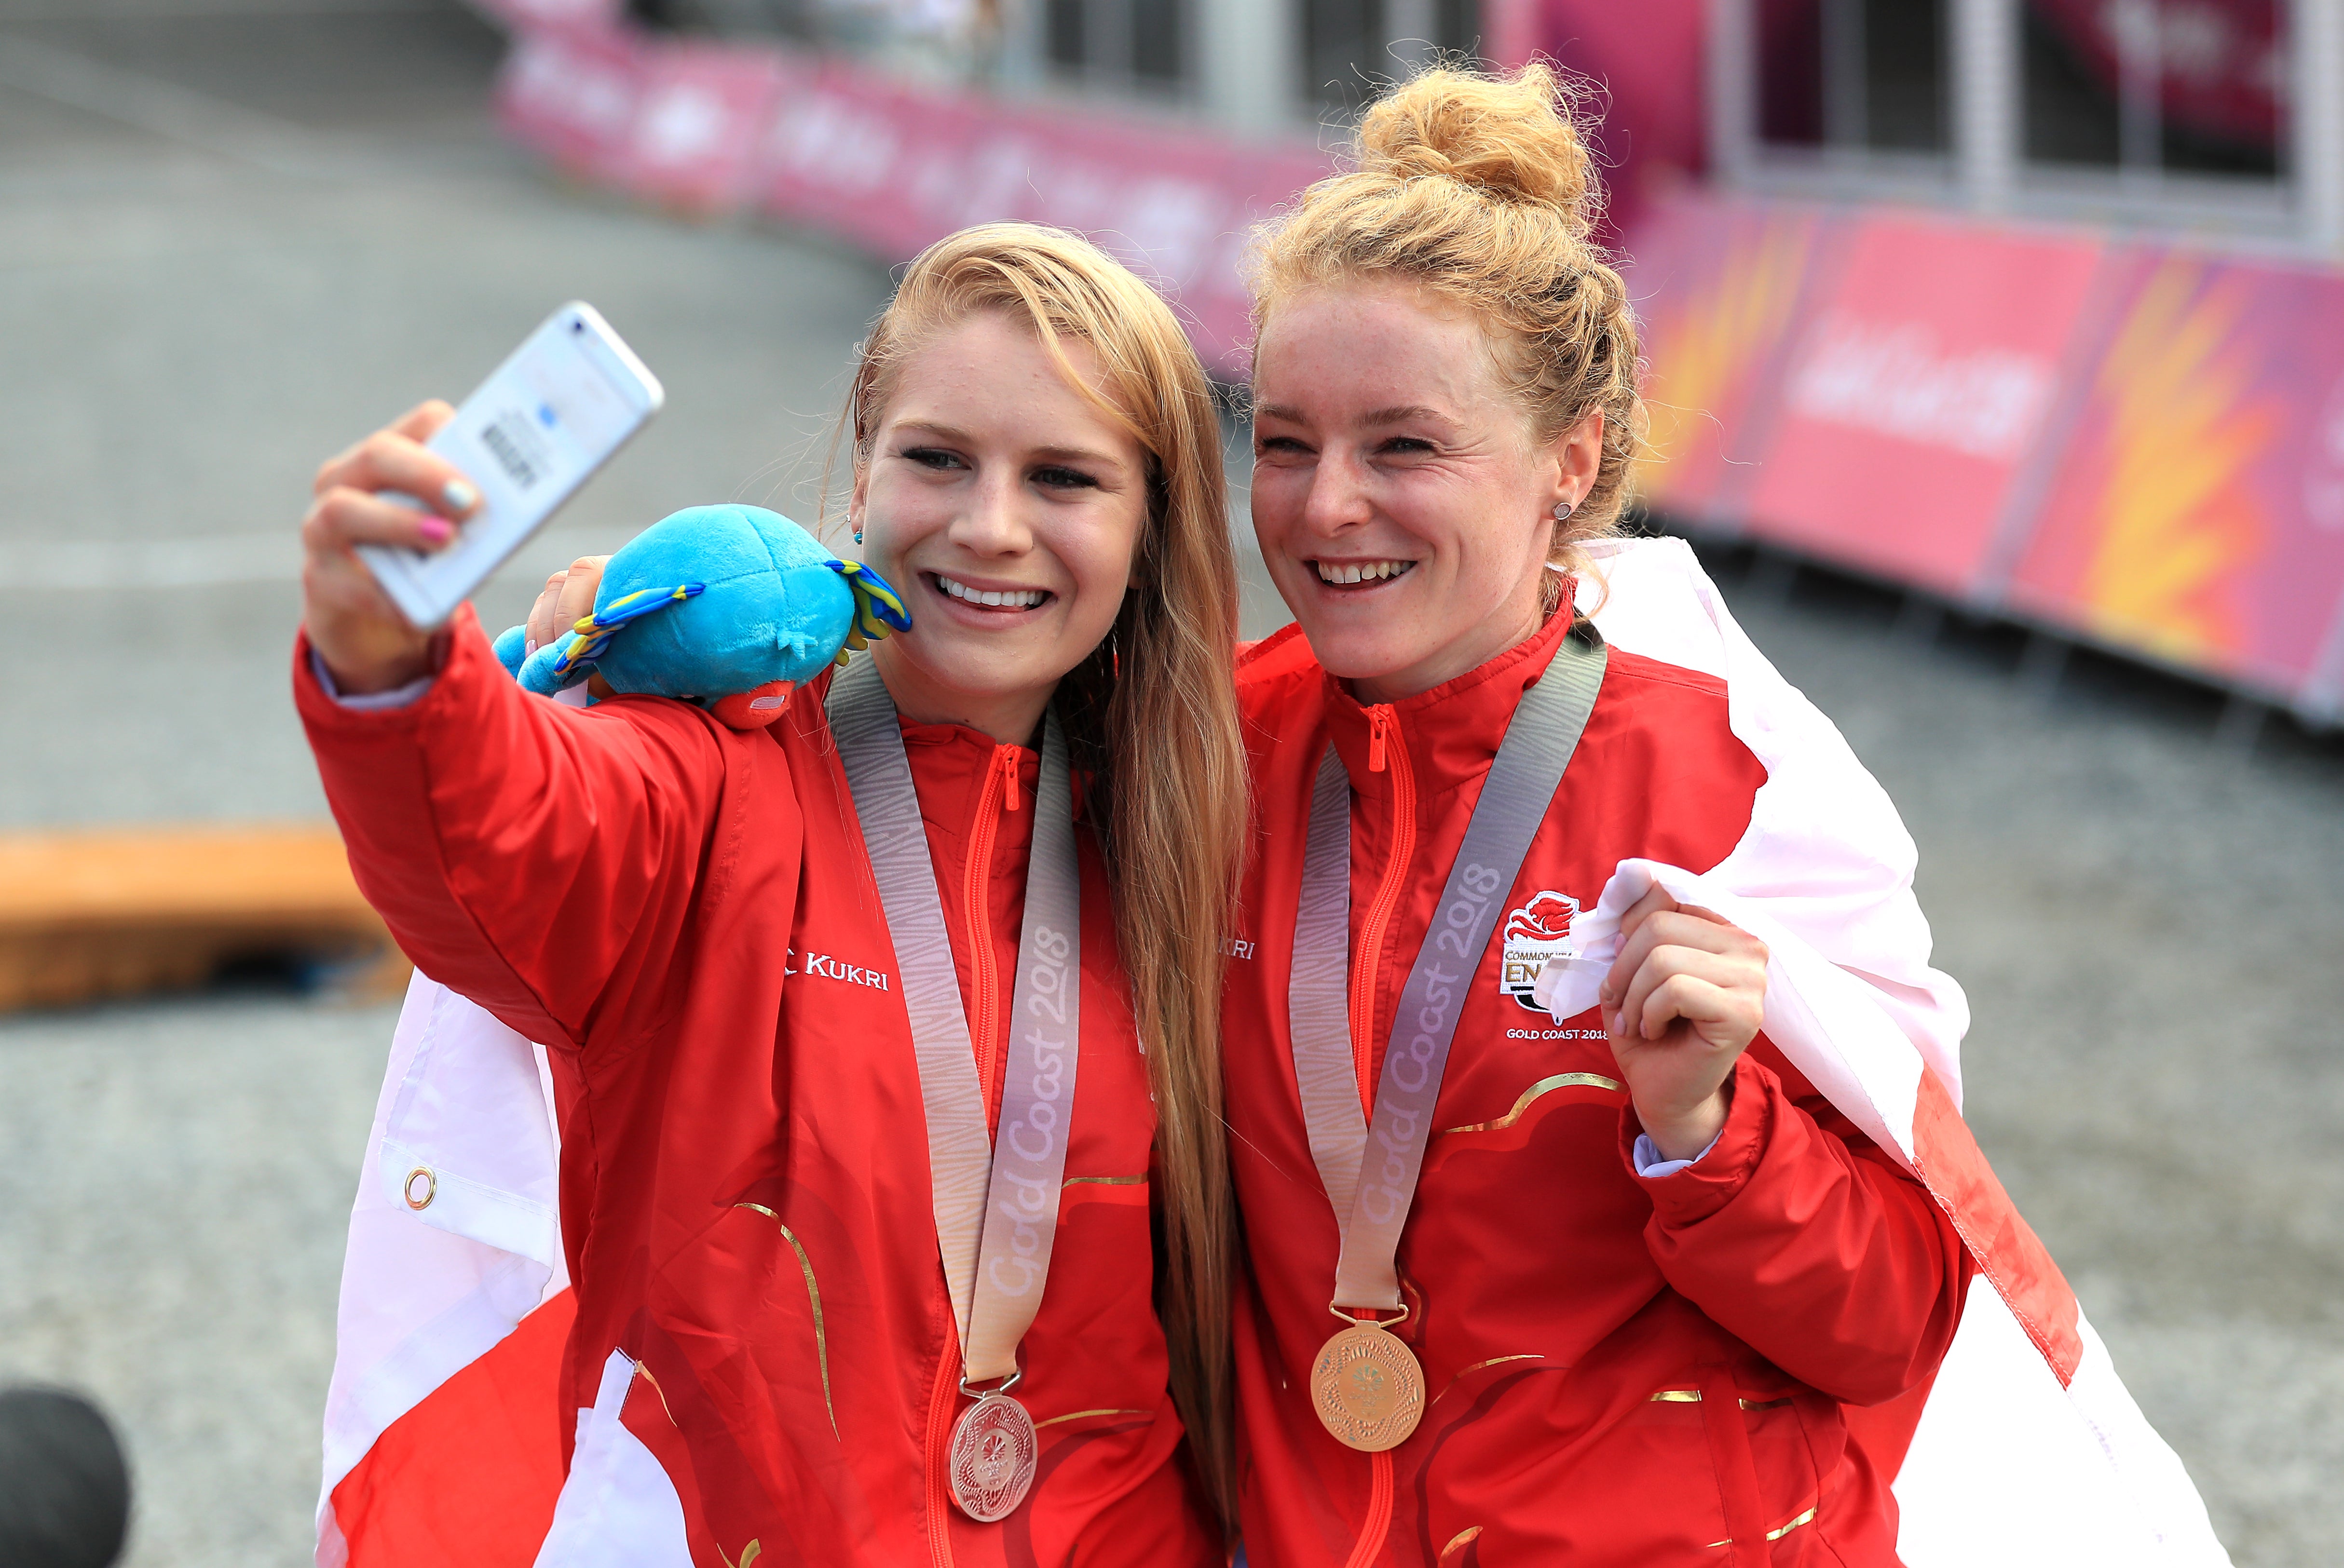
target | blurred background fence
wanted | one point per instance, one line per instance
(2029, 307)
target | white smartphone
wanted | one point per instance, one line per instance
(527, 437)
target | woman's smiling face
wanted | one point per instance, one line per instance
(1007, 507)
(1402, 500)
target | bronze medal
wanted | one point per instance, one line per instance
(1368, 1389)
(992, 1459)
(1366, 1385)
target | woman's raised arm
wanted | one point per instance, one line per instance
(535, 858)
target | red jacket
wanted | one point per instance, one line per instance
(686, 914)
(1567, 1311)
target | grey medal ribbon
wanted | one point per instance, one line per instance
(995, 1199)
(1369, 1168)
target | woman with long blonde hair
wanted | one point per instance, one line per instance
(799, 984)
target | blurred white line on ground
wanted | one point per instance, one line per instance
(184, 10)
(150, 563)
(218, 560)
(165, 109)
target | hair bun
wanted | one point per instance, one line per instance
(1510, 137)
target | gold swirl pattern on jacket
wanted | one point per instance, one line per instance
(1477, 1366)
(645, 1372)
(1777, 1532)
(1080, 1414)
(1544, 1086)
(1693, 1396)
(813, 1297)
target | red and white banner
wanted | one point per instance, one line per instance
(2139, 443)
(894, 166)
(1923, 376)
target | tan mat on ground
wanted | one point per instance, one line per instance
(92, 914)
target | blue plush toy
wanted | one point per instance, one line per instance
(731, 607)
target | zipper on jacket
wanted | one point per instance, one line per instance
(1386, 753)
(1377, 1525)
(984, 974)
(998, 794)
(939, 1488)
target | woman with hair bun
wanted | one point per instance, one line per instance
(1599, 1286)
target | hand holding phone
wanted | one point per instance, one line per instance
(437, 501)
(556, 409)
(366, 643)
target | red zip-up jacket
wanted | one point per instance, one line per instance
(1617, 1369)
(686, 916)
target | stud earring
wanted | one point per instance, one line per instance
(858, 535)
(1562, 510)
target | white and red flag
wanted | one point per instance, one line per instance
(2028, 1449)
(441, 1446)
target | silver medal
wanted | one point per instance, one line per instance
(992, 1458)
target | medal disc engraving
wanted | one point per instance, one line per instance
(1368, 1389)
(992, 1452)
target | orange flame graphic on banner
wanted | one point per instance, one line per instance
(1707, 344)
(2174, 522)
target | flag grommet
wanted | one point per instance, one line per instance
(430, 1179)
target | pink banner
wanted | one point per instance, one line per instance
(2141, 444)
(894, 166)
(701, 133)
(1920, 381)
(542, 15)
(573, 96)
(2196, 515)
(1720, 284)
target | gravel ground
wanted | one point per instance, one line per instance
(171, 1219)
(230, 243)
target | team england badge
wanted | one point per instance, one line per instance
(1538, 930)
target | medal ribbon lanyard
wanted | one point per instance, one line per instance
(996, 1202)
(1369, 1171)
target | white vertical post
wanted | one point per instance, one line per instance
(1022, 64)
(1409, 40)
(1732, 67)
(1247, 62)
(1847, 89)
(2140, 96)
(1107, 44)
(2316, 28)
(1985, 101)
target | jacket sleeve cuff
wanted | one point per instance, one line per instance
(367, 702)
(1646, 1156)
(326, 710)
(1700, 1187)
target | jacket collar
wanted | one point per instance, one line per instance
(1452, 732)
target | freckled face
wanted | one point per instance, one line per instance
(1007, 507)
(1402, 501)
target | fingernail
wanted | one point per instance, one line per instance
(435, 530)
(460, 497)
